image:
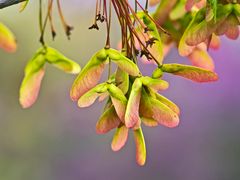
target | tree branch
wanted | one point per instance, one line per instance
(6, 3)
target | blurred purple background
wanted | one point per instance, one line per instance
(55, 140)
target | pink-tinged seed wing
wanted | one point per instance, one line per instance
(89, 76)
(108, 121)
(163, 114)
(103, 96)
(90, 97)
(149, 122)
(140, 147)
(7, 39)
(200, 32)
(183, 48)
(154, 44)
(215, 42)
(233, 33)
(123, 62)
(120, 138)
(156, 49)
(31, 83)
(30, 89)
(168, 103)
(58, 60)
(152, 108)
(155, 84)
(122, 80)
(145, 108)
(190, 72)
(119, 100)
(137, 125)
(229, 27)
(202, 59)
(132, 111)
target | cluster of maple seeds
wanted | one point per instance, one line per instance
(132, 98)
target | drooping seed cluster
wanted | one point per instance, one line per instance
(132, 98)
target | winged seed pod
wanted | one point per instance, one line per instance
(141, 153)
(168, 103)
(152, 37)
(120, 137)
(152, 108)
(34, 72)
(132, 111)
(139, 103)
(190, 72)
(122, 80)
(225, 21)
(61, 62)
(108, 121)
(123, 111)
(91, 73)
(203, 30)
(119, 100)
(133, 99)
(202, 59)
(7, 39)
(35, 69)
(124, 63)
(90, 97)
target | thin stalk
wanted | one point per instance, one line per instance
(41, 22)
